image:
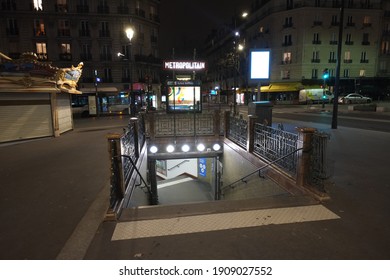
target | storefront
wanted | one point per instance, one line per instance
(35, 98)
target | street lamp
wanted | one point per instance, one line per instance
(130, 34)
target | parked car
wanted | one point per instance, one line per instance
(354, 98)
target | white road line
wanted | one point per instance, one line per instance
(159, 186)
(221, 221)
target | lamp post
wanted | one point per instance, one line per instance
(129, 34)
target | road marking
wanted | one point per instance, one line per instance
(159, 186)
(220, 221)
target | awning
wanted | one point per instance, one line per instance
(282, 87)
(100, 90)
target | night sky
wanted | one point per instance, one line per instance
(185, 24)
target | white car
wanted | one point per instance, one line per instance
(354, 98)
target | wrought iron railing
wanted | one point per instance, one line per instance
(238, 131)
(272, 144)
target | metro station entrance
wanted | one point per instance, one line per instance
(185, 176)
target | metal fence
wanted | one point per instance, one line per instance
(272, 144)
(124, 152)
(238, 131)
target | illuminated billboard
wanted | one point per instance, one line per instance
(260, 64)
(184, 96)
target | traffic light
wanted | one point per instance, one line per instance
(325, 74)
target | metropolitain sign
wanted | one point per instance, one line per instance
(185, 65)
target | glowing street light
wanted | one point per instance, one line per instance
(130, 34)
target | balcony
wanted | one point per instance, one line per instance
(365, 43)
(349, 43)
(85, 56)
(65, 56)
(104, 33)
(333, 42)
(364, 61)
(332, 60)
(63, 32)
(84, 33)
(347, 60)
(105, 57)
(317, 23)
(13, 31)
(315, 60)
(316, 42)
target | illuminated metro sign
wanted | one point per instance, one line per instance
(185, 65)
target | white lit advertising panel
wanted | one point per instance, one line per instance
(260, 64)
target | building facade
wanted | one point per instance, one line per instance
(93, 32)
(303, 37)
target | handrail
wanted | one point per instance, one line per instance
(177, 165)
(261, 168)
(136, 169)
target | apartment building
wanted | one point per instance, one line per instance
(66, 32)
(303, 37)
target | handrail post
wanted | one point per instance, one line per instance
(251, 133)
(305, 136)
(117, 188)
(134, 123)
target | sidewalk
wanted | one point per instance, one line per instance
(50, 186)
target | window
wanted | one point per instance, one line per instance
(335, 20)
(350, 21)
(12, 27)
(289, 4)
(63, 27)
(287, 58)
(287, 40)
(38, 5)
(385, 48)
(288, 22)
(332, 57)
(39, 27)
(346, 73)
(82, 6)
(107, 75)
(383, 66)
(316, 38)
(41, 51)
(316, 57)
(317, 3)
(317, 20)
(363, 57)
(366, 21)
(104, 30)
(84, 28)
(365, 39)
(65, 53)
(85, 52)
(348, 39)
(362, 73)
(347, 57)
(285, 74)
(314, 73)
(61, 6)
(8, 5)
(333, 39)
(350, 4)
(105, 52)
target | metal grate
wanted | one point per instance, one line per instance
(238, 131)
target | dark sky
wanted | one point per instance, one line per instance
(185, 24)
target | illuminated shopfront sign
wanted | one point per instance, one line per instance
(185, 65)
